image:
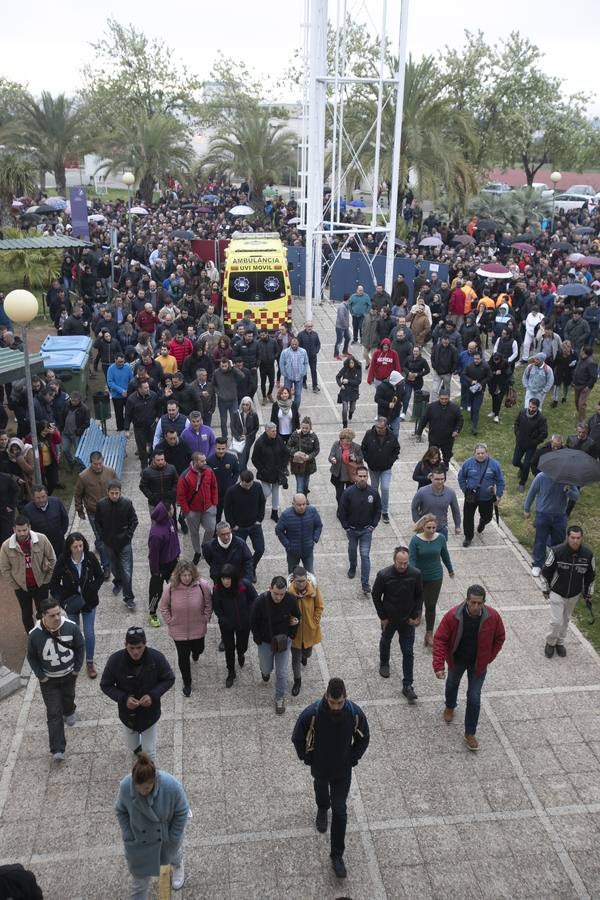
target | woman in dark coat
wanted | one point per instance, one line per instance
(414, 371)
(432, 459)
(284, 414)
(232, 599)
(76, 580)
(303, 448)
(344, 456)
(349, 378)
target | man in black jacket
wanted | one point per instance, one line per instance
(116, 522)
(226, 467)
(136, 678)
(474, 378)
(245, 510)
(381, 449)
(585, 375)
(310, 341)
(444, 360)
(267, 353)
(141, 411)
(360, 511)
(269, 457)
(530, 428)
(226, 548)
(274, 620)
(331, 736)
(569, 570)
(445, 421)
(398, 600)
(158, 482)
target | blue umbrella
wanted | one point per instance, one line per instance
(573, 290)
(56, 202)
(210, 198)
(584, 229)
(360, 204)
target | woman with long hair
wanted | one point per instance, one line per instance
(348, 379)
(427, 551)
(186, 607)
(431, 459)
(345, 456)
(232, 600)
(284, 413)
(303, 448)
(222, 350)
(244, 428)
(152, 810)
(76, 580)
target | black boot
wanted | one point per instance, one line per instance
(275, 515)
(296, 687)
(230, 678)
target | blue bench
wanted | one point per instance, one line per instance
(112, 447)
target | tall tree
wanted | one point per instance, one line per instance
(17, 178)
(132, 73)
(50, 130)
(522, 115)
(152, 146)
(253, 147)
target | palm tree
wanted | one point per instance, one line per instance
(152, 146)
(31, 269)
(434, 135)
(520, 210)
(50, 130)
(17, 178)
(253, 147)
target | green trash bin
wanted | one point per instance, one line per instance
(420, 402)
(101, 401)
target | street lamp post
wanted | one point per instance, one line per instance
(128, 180)
(554, 178)
(22, 306)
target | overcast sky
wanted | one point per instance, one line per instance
(45, 44)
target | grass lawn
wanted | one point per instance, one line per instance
(500, 440)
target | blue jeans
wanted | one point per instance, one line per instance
(305, 559)
(257, 539)
(225, 406)
(341, 334)
(360, 539)
(522, 460)
(89, 618)
(121, 563)
(475, 683)
(357, 322)
(549, 530)
(297, 386)
(69, 446)
(443, 529)
(281, 661)
(302, 483)
(406, 639)
(101, 547)
(408, 392)
(395, 427)
(382, 479)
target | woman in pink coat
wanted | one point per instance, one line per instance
(186, 607)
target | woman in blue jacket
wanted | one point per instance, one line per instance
(152, 810)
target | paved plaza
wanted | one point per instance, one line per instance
(520, 818)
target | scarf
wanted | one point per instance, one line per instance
(345, 454)
(285, 405)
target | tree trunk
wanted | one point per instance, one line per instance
(147, 187)
(42, 178)
(61, 180)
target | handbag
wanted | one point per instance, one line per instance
(511, 397)
(278, 641)
(472, 494)
(73, 605)
(238, 445)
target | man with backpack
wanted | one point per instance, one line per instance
(331, 735)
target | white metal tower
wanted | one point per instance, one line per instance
(324, 95)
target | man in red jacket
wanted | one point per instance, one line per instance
(456, 306)
(469, 637)
(383, 362)
(197, 497)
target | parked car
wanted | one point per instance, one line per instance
(586, 189)
(496, 187)
(568, 201)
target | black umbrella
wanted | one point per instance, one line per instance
(570, 467)
(526, 238)
(45, 210)
(563, 245)
(487, 225)
(462, 239)
(584, 229)
(184, 233)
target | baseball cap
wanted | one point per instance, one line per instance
(135, 635)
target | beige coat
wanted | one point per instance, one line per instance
(12, 561)
(311, 607)
(91, 487)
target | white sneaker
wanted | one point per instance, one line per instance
(496, 419)
(178, 877)
(490, 415)
(402, 417)
(536, 571)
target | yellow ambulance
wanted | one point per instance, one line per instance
(257, 278)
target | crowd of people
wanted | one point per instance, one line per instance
(171, 363)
